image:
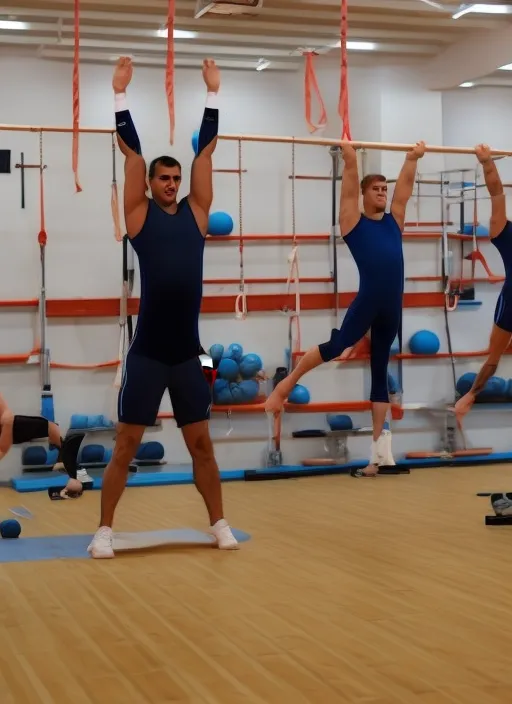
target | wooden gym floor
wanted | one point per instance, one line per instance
(351, 591)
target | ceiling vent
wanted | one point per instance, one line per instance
(228, 7)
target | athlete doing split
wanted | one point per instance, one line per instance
(375, 240)
(17, 430)
(168, 237)
(500, 232)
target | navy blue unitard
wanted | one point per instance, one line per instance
(503, 312)
(376, 246)
(164, 353)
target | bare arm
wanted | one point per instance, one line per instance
(7, 421)
(495, 188)
(349, 203)
(405, 184)
(135, 199)
(201, 181)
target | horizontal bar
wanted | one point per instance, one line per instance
(33, 128)
(384, 146)
(269, 238)
(229, 171)
(282, 280)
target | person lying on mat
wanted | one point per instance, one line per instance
(17, 429)
(374, 238)
(168, 236)
(500, 233)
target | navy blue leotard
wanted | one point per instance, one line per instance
(376, 246)
(164, 353)
(503, 312)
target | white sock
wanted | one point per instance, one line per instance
(222, 523)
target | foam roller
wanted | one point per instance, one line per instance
(34, 456)
(150, 451)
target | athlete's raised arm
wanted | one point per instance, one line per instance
(135, 199)
(201, 181)
(349, 204)
(495, 188)
(405, 183)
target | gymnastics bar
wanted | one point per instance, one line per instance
(383, 146)
(33, 128)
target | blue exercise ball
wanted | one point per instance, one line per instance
(224, 397)
(228, 369)
(424, 342)
(216, 352)
(481, 230)
(10, 528)
(250, 365)
(34, 455)
(494, 389)
(195, 141)
(465, 382)
(234, 351)
(236, 392)
(339, 422)
(299, 394)
(249, 389)
(220, 224)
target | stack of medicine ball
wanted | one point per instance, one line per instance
(236, 380)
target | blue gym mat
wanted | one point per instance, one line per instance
(58, 547)
(28, 483)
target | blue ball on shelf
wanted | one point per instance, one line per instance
(299, 395)
(220, 224)
(424, 342)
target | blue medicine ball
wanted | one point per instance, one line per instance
(465, 382)
(195, 141)
(92, 453)
(10, 528)
(224, 397)
(34, 455)
(216, 352)
(250, 365)
(249, 389)
(220, 223)
(339, 422)
(481, 230)
(495, 388)
(228, 369)
(299, 395)
(424, 342)
(234, 351)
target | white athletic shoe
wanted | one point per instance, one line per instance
(82, 475)
(101, 545)
(223, 536)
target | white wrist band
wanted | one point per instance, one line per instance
(212, 101)
(120, 102)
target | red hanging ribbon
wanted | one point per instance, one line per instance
(76, 95)
(311, 83)
(343, 107)
(169, 75)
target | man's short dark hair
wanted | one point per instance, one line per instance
(167, 161)
(370, 179)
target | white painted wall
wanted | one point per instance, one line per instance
(84, 260)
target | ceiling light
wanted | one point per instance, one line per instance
(507, 67)
(361, 46)
(178, 33)
(262, 65)
(467, 84)
(483, 8)
(11, 24)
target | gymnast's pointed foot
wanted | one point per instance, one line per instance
(224, 538)
(101, 547)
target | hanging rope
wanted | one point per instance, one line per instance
(76, 96)
(311, 84)
(42, 237)
(294, 342)
(343, 108)
(241, 299)
(114, 199)
(169, 74)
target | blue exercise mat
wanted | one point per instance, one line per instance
(58, 547)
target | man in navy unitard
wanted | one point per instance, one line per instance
(374, 239)
(168, 237)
